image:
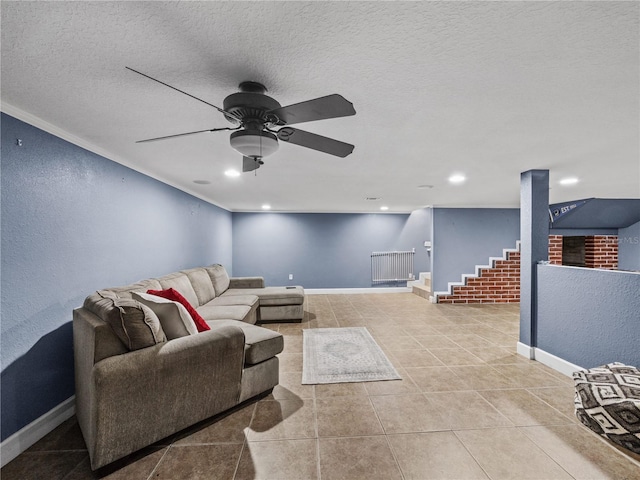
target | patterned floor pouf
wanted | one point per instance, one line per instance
(608, 402)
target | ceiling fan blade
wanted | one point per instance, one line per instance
(181, 91)
(249, 164)
(184, 134)
(331, 106)
(315, 142)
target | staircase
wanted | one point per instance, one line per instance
(498, 282)
(422, 286)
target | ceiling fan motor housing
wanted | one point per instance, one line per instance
(250, 104)
(249, 108)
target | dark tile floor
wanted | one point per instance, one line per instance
(467, 407)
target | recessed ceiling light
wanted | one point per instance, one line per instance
(568, 181)
(457, 178)
(202, 182)
(232, 173)
(266, 206)
(384, 208)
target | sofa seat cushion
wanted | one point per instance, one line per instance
(224, 312)
(271, 295)
(260, 343)
(229, 300)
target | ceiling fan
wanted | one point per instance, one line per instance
(256, 117)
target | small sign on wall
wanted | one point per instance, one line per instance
(557, 211)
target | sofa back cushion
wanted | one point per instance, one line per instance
(174, 318)
(180, 282)
(141, 286)
(201, 283)
(133, 323)
(219, 278)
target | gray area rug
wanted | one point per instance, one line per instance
(341, 355)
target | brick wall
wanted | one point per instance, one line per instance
(601, 251)
(555, 249)
(500, 284)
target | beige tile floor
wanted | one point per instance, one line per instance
(467, 407)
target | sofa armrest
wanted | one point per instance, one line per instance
(162, 389)
(246, 282)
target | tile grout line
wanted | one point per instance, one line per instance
(455, 433)
(317, 433)
(77, 465)
(155, 468)
(245, 443)
(521, 429)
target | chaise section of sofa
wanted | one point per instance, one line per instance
(137, 382)
(276, 304)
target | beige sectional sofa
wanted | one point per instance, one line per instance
(142, 372)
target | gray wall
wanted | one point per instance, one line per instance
(629, 248)
(466, 237)
(600, 214)
(581, 232)
(323, 250)
(74, 222)
(588, 317)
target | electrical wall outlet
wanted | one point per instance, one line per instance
(291, 276)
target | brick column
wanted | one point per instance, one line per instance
(601, 251)
(555, 249)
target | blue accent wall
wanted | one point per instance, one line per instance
(588, 317)
(323, 250)
(629, 248)
(466, 237)
(415, 232)
(73, 222)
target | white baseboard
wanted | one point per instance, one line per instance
(17, 443)
(548, 359)
(330, 291)
(557, 363)
(526, 351)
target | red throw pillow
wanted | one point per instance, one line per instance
(174, 295)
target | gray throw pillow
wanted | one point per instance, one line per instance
(135, 324)
(174, 318)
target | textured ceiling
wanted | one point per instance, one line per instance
(488, 89)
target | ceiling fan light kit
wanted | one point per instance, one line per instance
(256, 115)
(254, 143)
